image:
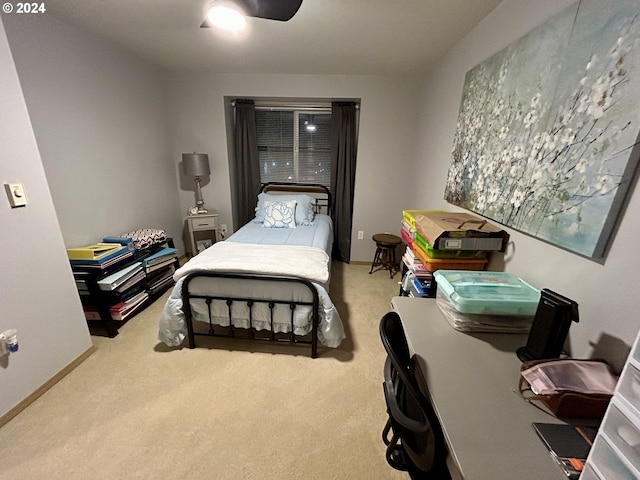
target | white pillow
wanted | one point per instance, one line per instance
(305, 212)
(280, 214)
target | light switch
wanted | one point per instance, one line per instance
(16, 193)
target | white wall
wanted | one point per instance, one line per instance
(607, 294)
(101, 123)
(385, 148)
(38, 295)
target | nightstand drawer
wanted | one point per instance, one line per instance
(207, 223)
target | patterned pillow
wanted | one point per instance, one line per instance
(146, 237)
(305, 206)
(280, 214)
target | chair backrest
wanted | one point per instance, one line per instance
(394, 340)
(411, 414)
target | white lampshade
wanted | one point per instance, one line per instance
(195, 164)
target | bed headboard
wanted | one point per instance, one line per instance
(315, 190)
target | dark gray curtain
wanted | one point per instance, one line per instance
(343, 175)
(246, 165)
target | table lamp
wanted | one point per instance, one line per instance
(196, 165)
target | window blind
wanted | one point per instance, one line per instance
(294, 145)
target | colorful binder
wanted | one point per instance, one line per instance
(99, 251)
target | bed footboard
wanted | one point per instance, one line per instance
(250, 293)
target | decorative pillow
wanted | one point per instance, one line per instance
(145, 237)
(305, 204)
(280, 214)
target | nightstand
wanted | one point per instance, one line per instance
(202, 231)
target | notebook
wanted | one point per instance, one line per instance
(569, 445)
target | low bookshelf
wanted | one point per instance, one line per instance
(141, 279)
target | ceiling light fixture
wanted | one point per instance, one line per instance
(227, 16)
(231, 14)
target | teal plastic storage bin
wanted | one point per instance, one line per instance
(488, 293)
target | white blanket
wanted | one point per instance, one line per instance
(305, 262)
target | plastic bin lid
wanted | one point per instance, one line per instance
(483, 292)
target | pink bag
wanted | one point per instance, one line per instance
(568, 387)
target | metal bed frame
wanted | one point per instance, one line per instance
(323, 204)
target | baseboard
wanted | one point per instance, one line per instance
(4, 419)
(359, 262)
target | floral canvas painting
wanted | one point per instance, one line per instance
(547, 135)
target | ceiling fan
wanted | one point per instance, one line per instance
(281, 10)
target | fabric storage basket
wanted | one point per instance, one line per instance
(488, 293)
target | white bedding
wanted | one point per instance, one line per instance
(309, 262)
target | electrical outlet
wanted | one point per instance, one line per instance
(360, 234)
(223, 229)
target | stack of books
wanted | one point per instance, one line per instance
(113, 275)
(160, 259)
(123, 279)
(159, 268)
(125, 308)
(99, 257)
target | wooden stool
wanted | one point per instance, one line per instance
(385, 256)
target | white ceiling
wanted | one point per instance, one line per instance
(354, 37)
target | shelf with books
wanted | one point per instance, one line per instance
(114, 291)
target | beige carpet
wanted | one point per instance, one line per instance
(136, 409)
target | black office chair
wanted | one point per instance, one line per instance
(417, 443)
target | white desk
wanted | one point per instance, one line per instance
(473, 385)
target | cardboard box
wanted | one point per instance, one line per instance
(460, 231)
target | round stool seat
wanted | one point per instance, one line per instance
(387, 239)
(385, 256)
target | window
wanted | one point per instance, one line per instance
(294, 145)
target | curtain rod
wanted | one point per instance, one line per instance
(320, 106)
(306, 108)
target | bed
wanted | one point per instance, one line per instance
(267, 281)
